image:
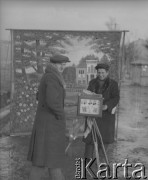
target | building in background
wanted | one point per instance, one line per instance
(91, 71)
(86, 71)
(139, 72)
(81, 74)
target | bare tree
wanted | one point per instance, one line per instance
(112, 24)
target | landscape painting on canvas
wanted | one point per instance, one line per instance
(32, 51)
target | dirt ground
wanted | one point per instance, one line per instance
(131, 144)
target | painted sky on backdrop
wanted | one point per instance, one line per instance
(74, 15)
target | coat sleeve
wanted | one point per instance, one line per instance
(54, 97)
(114, 97)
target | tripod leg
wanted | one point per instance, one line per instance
(95, 146)
(68, 147)
(102, 145)
(89, 149)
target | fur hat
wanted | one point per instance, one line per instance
(102, 66)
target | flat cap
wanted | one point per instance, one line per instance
(59, 59)
(102, 66)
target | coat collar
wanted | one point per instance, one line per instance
(105, 85)
(52, 69)
(94, 85)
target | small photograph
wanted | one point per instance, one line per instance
(90, 106)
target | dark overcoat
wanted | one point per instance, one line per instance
(106, 123)
(47, 144)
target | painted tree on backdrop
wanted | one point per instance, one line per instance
(108, 45)
(33, 49)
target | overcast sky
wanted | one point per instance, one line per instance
(74, 15)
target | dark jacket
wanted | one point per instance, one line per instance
(111, 97)
(47, 144)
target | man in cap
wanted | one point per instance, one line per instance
(102, 84)
(47, 144)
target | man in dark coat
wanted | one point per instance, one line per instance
(47, 144)
(102, 84)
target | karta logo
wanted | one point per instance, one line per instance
(84, 167)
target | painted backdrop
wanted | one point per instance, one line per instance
(33, 48)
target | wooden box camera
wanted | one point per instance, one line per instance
(90, 105)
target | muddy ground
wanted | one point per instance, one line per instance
(131, 144)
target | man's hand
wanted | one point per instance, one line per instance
(104, 107)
